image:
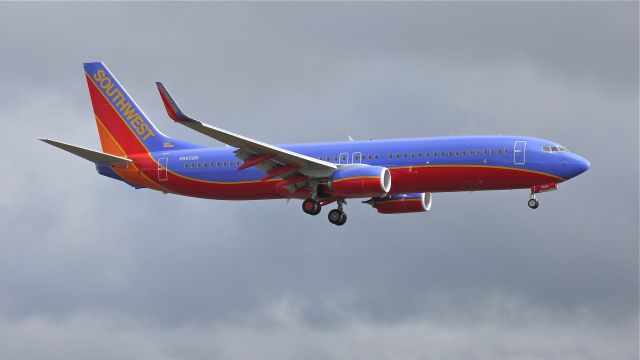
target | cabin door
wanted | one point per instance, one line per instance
(519, 150)
(162, 168)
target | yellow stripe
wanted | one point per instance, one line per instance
(357, 177)
(258, 181)
(482, 166)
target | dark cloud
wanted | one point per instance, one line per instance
(163, 276)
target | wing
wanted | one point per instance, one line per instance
(91, 155)
(296, 169)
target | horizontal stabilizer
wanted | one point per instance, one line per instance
(91, 155)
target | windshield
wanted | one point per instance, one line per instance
(552, 149)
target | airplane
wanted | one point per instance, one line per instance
(395, 176)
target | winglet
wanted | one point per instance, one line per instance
(173, 110)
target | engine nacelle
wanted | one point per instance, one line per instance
(361, 181)
(402, 203)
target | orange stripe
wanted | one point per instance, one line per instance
(132, 174)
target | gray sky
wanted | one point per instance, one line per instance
(93, 269)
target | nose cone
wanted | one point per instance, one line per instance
(579, 165)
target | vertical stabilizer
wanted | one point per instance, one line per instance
(123, 126)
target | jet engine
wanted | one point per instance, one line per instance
(401, 203)
(361, 181)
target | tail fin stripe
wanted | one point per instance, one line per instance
(114, 121)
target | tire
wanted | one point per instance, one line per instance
(343, 219)
(533, 203)
(311, 207)
(335, 216)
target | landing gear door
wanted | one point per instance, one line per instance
(162, 169)
(519, 150)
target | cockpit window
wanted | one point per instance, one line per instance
(552, 149)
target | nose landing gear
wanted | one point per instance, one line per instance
(533, 202)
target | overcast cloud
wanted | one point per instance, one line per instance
(91, 268)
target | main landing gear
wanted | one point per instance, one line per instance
(311, 206)
(336, 216)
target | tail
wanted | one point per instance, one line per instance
(122, 125)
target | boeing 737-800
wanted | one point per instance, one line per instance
(395, 176)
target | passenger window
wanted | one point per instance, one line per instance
(435, 153)
(499, 151)
(427, 154)
(419, 154)
(506, 151)
(492, 151)
(218, 163)
(397, 155)
(344, 158)
(413, 155)
(450, 152)
(484, 152)
(204, 164)
(390, 156)
(186, 166)
(404, 155)
(376, 157)
(457, 152)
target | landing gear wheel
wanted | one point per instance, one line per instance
(343, 219)
(337, 217)
(311, 206)
(533, 203)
